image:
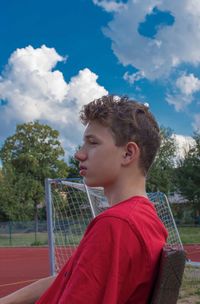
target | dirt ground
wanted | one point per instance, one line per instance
(190, 300)
(190, 292)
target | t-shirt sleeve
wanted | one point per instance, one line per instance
(107, 265)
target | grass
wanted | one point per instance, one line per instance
(190, 291)
(23, 239)
(28, 239)
(68, 239)
(190, 235)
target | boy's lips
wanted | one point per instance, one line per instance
(82, 170)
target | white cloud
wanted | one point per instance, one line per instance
(183, 144)
(34, 89)
(188, 84)
(132, 78)
(172, 46)
(30, 59)
(163, 56)
(178, 100)
(83, 87)
(183, 91)
(110, 5)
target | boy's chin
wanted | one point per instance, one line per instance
(90, 183)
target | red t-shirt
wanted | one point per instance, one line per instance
(117, 259)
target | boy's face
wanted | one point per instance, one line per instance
(99, 157)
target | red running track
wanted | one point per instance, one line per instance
(21, 266)
(193, 252)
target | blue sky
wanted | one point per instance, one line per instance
(58, 55)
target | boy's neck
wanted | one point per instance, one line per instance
(121, 191)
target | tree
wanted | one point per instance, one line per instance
(74, 166)
(160, 177)
(15, 196)
(188, 174)
(28, 157)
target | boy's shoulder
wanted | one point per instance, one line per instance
(136, 215)
(134, 205)
(132, 210)
(137, 211)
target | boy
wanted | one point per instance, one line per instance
(118, 257)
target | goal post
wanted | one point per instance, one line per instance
(71, 205)
(50, 228)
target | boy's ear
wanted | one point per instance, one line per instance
(131, 152)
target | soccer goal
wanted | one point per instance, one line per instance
(71, 205)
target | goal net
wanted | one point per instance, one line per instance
(72, 205)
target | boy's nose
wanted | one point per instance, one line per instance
(80, 155)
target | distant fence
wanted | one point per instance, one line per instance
(186, 214)
(30, 234)
(23, 233)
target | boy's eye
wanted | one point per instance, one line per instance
(92, 141)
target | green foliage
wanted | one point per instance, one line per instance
(160, 177)
(69, 201)
(16, 193)
(28, 157)
(34, 150)
(185, 214)
(188, 174)
(74, 166)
